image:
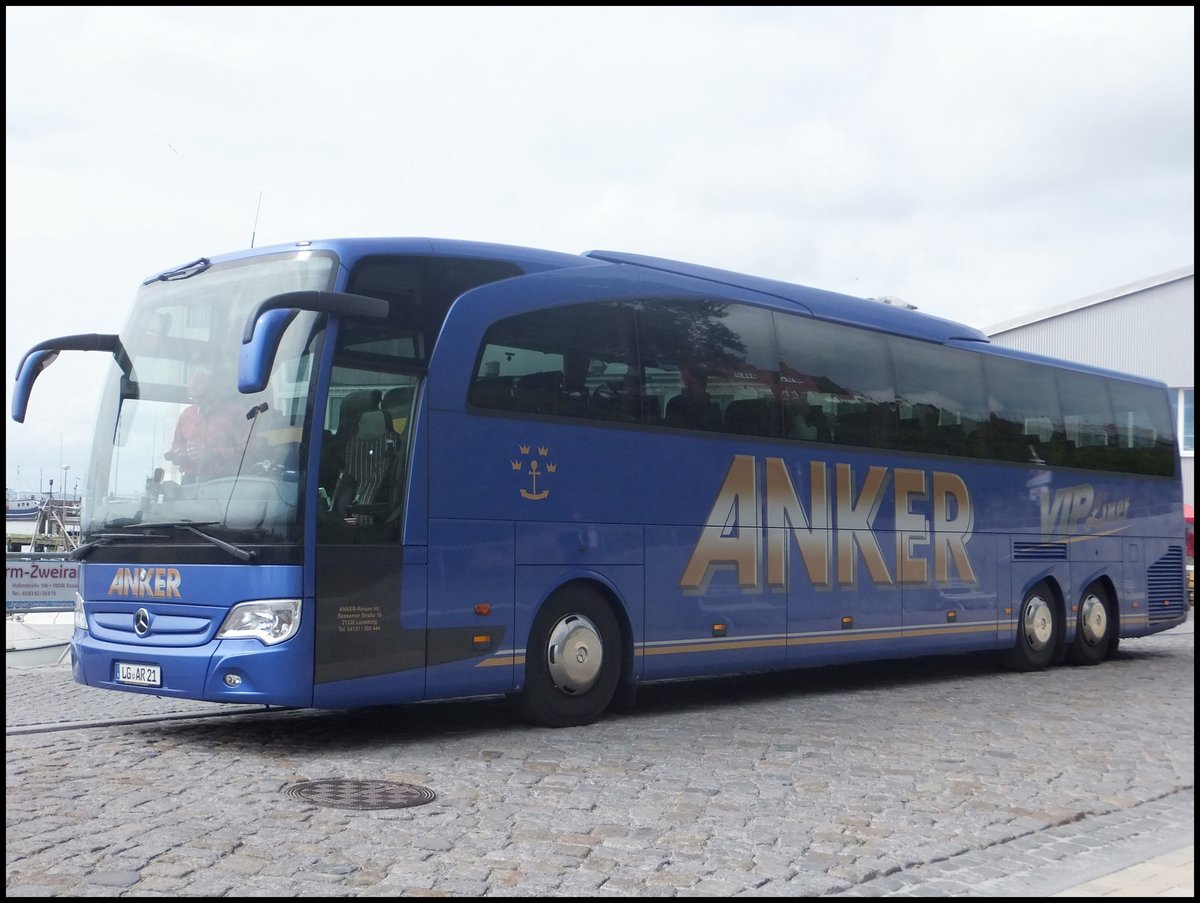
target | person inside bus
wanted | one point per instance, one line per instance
(210, 435)
(809, 422)
(154, 485)
(693, 408)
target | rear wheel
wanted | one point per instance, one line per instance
(1038, 632)
(573, 660)
(1093, 633)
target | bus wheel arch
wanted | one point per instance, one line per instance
(576, 656)
(1098, 626)
(1040, 620)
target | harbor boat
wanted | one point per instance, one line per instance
(54, 527)
(22, 505)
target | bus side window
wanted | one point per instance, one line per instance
(397, 404)
(752, 417)
(493, 392)
(539, 393)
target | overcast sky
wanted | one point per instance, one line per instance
(980, 163)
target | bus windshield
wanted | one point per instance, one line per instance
(176, 443)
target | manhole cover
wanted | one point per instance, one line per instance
(345, 794)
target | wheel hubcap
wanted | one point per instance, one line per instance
(1038, 623)
(574, 654)
(1093, 620)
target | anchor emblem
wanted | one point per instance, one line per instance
(535, 472)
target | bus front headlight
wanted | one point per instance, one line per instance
(269, 621)
(80, 617)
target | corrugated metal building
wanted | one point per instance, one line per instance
(1147, 328)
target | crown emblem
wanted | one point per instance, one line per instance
(535, 471)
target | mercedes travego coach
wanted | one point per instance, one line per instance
(369, 471)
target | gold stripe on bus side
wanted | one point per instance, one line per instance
(765, 643)
(957, 628)
(685, 646)
(502, 660)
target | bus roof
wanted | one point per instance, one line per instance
(532, 260)
(818, 303)
(822, 304)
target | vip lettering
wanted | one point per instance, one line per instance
(1107, 513)
(159, 583)
(1078, 509)
(758, 515)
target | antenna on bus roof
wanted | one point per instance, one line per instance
(254, 231)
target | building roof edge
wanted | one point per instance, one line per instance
(1089, 300)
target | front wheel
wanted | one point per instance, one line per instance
(1038, 632)
(573, 660)
(1093, 633)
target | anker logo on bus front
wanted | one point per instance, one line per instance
(141, 622)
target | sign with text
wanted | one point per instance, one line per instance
(36, 584)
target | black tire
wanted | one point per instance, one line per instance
(624, 699)
(1038, 632)
(565, 685)
(1113, 645)
(1094, 630)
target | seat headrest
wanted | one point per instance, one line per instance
(372, 425)
(398, 398)
(354, 404)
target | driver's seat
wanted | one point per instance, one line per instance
(370, 457)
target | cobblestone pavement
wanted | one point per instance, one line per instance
(941, 777)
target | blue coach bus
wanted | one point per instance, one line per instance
(464, 469)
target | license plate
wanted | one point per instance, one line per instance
(139, 675)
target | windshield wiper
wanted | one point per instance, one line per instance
(187, 271)
(105, 538)
(191, 526)
(236, 551)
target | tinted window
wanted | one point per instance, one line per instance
(1145, 432)
(713, 365)
(836, 383)
(420, 290)
(702, 364)
(566, 361)
(1026, 422)
(710, 365)
(1088, 425)
(941, 398)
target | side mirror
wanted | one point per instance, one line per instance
(43, 354)
(270, 318)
